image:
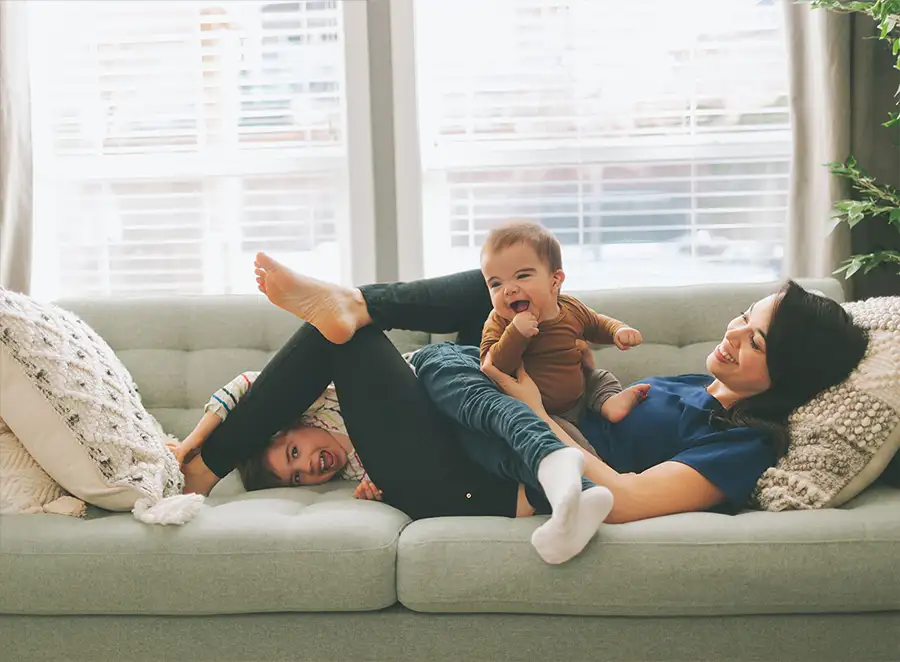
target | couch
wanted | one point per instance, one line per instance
(312, 574)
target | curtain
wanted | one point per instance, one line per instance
(15, 150)
(842, 85)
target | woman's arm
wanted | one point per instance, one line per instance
(667, 488)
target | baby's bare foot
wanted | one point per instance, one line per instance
(619, 405)
(336, 311)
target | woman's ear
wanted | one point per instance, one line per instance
(558, 277)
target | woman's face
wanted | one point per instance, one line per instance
(739, 361)
(305, 456)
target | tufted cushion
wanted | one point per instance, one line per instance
(311, 549)
(844, 438)
(76, 409)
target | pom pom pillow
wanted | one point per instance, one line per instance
(844, 438)
(76, 410)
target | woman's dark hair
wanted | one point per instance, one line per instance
(812, 344)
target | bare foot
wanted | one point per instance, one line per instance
(336, 311)
(619, 405)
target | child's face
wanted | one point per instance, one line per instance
(520, 281)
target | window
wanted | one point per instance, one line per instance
(173, 140)
(653, 138)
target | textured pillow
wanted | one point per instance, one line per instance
(25, 488)
(75, 408)
(844, 438)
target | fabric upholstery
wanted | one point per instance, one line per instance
(838, 560)
(399, 635)
(315, 549)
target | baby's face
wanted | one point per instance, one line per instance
(520, 281)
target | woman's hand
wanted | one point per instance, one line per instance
(367, 491)
(522, 387)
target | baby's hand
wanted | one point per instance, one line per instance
(526, 323)
(367, 491)
(626, 338)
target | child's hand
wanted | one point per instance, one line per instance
(367, 491)
(626, 338)
(184, 452)
(180, 451)
(526, 323)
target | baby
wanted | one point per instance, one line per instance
(532, 323)
(534, 326)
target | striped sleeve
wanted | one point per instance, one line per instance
(226, 398)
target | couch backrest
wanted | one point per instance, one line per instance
(180, 350)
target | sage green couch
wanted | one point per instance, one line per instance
(312, 574)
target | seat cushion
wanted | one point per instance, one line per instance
(840, 560)
(312, 549)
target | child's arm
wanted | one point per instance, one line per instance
(505, 342)
(187, 449)
(219, 406)
(604, 330)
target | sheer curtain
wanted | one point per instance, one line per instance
(842, 84)
(15, 150)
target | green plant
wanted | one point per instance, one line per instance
(874, 201)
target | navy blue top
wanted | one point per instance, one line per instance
(674, 424)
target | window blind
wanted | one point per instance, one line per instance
(173, 140)
(653, 138)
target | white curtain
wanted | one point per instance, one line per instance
(15, 150)
(842, 85)
(818, 44)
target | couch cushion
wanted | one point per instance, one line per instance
(312, 549)
(841, 560)
(180, 350)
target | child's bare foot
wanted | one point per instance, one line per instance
(619, 405)
(336, 311)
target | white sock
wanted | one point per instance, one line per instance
(558, 545)
(559, 473)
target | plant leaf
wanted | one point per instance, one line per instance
(852, 269)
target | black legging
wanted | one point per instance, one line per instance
(458, 303)
(406, 445)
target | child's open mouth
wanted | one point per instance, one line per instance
(519, 306)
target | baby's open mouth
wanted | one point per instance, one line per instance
(519, 306)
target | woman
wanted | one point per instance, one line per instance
(774, 357)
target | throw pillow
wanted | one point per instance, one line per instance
(843, 439)
(25, 488)
(77, 411)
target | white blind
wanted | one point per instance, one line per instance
(173, 140)
(653, 137)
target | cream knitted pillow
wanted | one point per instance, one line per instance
(75, 408)
(844, 438)
(25, 488)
